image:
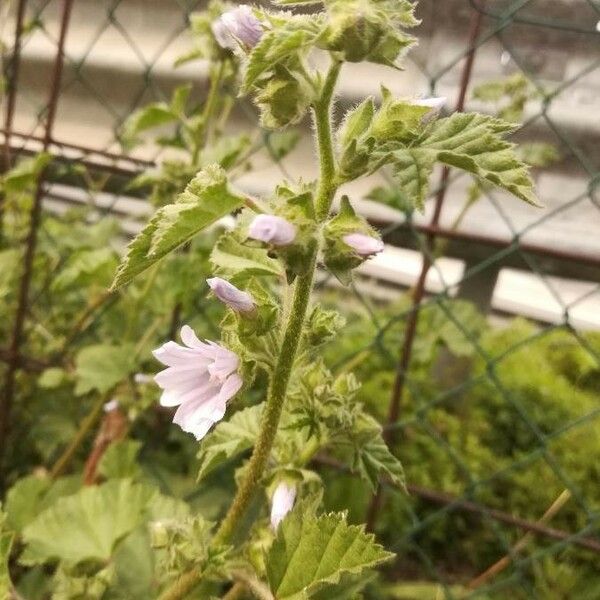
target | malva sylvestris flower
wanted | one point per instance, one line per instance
(364, 245)
(200, 379)
(282, 502)
(272, 229)
(233, 297)
(237, 27)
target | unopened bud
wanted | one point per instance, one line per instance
(230, 295)
(364, 245)
(237, 27)
(273, 230)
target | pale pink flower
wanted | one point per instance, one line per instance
(200, 379)
(230, 295)
(364, 245)
(237, 27)
(282, 502)
(272, 229)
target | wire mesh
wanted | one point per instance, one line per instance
(117, 59)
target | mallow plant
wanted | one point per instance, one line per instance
(274, 541)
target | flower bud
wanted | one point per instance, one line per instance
(272, 229)
(282, 502)
(237, 27)
(363, 245)
(230, 295)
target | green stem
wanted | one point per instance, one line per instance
(292, 334)
(85, 427)
(275, 398)
(216, 78)
(322, 116)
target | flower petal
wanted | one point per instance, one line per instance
(190, 339)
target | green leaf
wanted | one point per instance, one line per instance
(229, 439)
(23, 500)
(85, 267)
(88, 525)
(24, 175)
(357, 121)
(239, 262)
(206, 199)
(101, 366)
(470, 142)
(292, 34)
(152, 115)
(120, 460)
(374, 461)
(413, 168)
(51, 378)
(310, 552)
(6, 541)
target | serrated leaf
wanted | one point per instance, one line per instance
(470, 142)
(206, 199)
(310, 552)
(374, 462)
(88, 525)
(229, 439)
(289, 37)
(412, 171)
(237, 261)
(101, 366)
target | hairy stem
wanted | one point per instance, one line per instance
(275, 398)
(292, 333)
(322, 117)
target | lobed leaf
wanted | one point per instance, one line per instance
(88, 525)
(470, 142)
(374, 461)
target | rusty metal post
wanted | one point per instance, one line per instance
(419, 290)
(11, 96)
(6, 400)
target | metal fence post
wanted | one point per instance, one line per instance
(419, 290)
(6, 401)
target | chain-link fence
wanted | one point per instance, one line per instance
(506, 417)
